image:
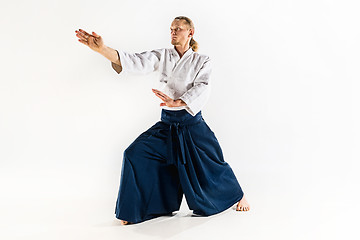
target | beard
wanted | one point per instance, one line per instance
(174, 42)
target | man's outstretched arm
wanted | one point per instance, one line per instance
(141, 63)
(96, 43)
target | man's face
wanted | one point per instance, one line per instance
(179, 32)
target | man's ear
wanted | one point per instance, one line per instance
(191, 32)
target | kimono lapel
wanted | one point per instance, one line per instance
(178, 59)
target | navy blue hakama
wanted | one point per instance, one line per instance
(177, 156)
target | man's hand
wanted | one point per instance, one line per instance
(167, 100)
(95, 42)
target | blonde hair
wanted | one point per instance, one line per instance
(193, 44)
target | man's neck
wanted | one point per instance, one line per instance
(182, 49)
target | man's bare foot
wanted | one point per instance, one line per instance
(243, 205)
(123, 222)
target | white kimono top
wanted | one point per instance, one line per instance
(185, 78)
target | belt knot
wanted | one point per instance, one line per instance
(176, 144)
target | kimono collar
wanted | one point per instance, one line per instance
(187, 53)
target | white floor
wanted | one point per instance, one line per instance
(43, 207)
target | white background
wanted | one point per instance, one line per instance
(284, 107)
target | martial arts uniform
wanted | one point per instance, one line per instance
(180, 153)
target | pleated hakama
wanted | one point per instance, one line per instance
(179, 155)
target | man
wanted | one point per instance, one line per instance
(179, 154)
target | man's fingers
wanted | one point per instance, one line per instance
(95, 34)
(84, 34)
(167, 100)
(157, 91)
(156, 94)
(81, 36)
(162, 97)
(160, 93)
(82, 41)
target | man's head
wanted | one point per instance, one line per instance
(182, 30)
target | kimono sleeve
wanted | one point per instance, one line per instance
(138, 63)
(197, 96)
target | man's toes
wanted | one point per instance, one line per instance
(242, 208)
(123, 222)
